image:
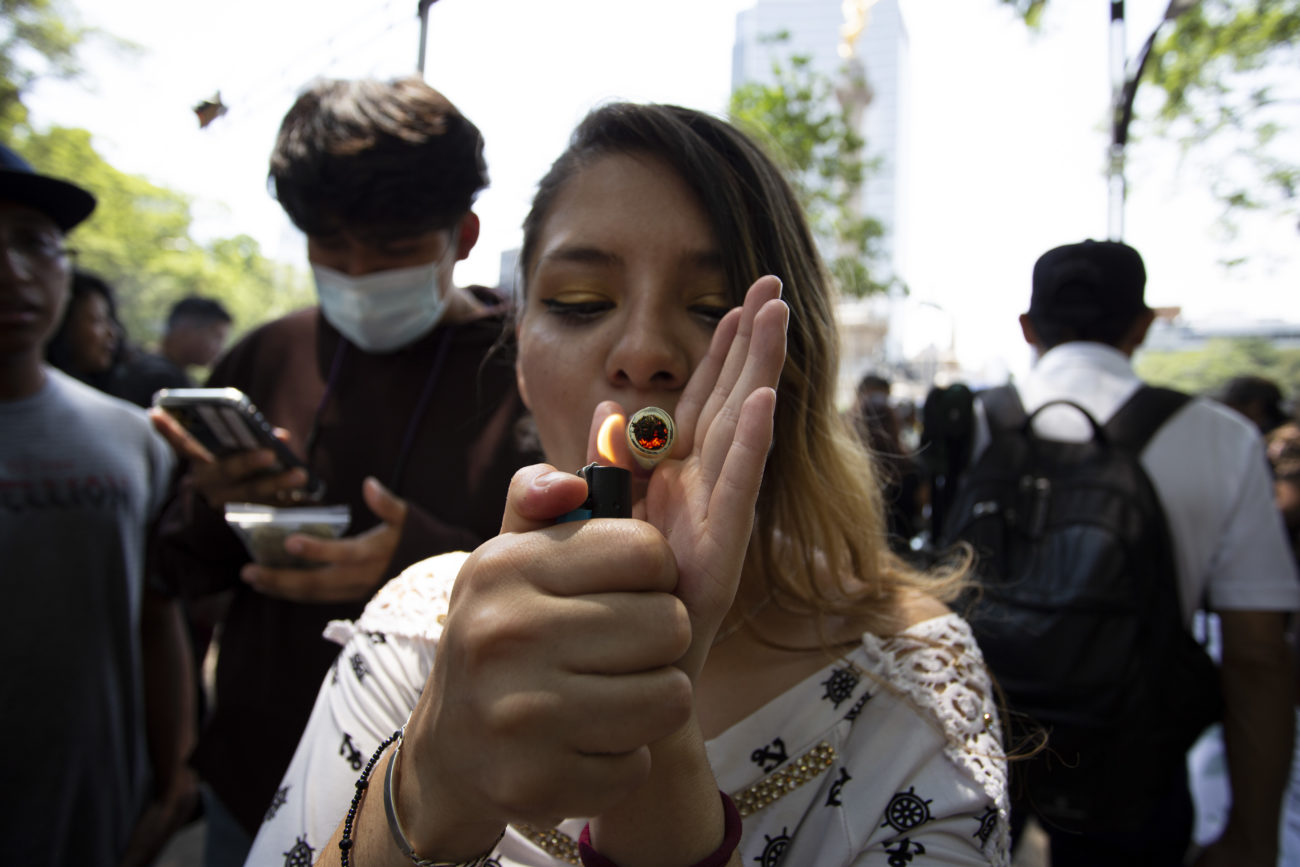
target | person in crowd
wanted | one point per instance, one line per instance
(389, 392)
(1258, 398)
(96, 723)
(746, 631)
(1087, 316)
(1284, 457)
(873, 385)
(197, 328)
(195, 334)
(878, 428)
(88, 342)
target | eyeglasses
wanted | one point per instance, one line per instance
(30, 248)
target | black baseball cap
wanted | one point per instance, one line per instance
(1081, 283)
(65, 203)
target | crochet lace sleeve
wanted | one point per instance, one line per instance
(937, 666)
(412, 605)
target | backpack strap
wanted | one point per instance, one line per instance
(1134, 423)
(1003, 408)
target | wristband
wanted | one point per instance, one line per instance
(718, 858)
(399, 836)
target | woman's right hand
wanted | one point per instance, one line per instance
(538, 707)
(238, 478)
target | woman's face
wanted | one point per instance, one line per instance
(92, 333)
(624, 293)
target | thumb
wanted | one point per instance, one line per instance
(387, 506)
(538, 495)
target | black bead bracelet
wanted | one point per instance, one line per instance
(363, 782)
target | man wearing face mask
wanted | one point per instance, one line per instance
(389, 391)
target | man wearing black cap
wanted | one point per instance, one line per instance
(1087, 315)
(85, 646)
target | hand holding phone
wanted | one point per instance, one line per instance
(225, 422)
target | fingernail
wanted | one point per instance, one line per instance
(293, 546)
(545, 480)
(780, 285)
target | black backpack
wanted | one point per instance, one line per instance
(1077, 612)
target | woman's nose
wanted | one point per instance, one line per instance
(648, 355)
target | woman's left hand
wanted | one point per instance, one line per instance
(703, 498)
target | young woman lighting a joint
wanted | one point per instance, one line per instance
(748, 631)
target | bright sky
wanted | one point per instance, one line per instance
(1007, 131)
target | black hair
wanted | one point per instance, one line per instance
(378, 159)
(59, 351)
(1110, 329)
(873, 382)
(199, 310)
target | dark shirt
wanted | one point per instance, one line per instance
(454, 472)
(143, 374)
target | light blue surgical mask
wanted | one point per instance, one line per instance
(383, 311)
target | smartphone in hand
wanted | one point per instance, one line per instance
(226, 422)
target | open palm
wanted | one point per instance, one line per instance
(703, 500)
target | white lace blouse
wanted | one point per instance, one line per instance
(889, 756)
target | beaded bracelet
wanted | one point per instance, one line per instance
(363, 782)
(718, 858)
(399, 836)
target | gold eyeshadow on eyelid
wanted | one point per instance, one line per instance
(713, 299)
(576, 296)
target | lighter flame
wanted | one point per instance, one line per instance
(605, 437)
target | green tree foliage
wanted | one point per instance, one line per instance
(811, 133)
(1230, 72)
(1226, 75)
(139, 236)
(1204, 370)
(139, 240)
(36, 39)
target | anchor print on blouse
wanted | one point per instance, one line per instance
(770, 757)
(350, 753)
(359, 667)
(833, 796)
(988, 822)
(904, 852)
(280, 798)
(858, 705)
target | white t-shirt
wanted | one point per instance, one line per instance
(888, 754)
(1207, 466)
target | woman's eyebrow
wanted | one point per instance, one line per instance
(579, 254)
(583, 254)
(706, 260)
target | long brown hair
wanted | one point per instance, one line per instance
(819, 543)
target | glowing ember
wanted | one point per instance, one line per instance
(605, 437)
(650, 433)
